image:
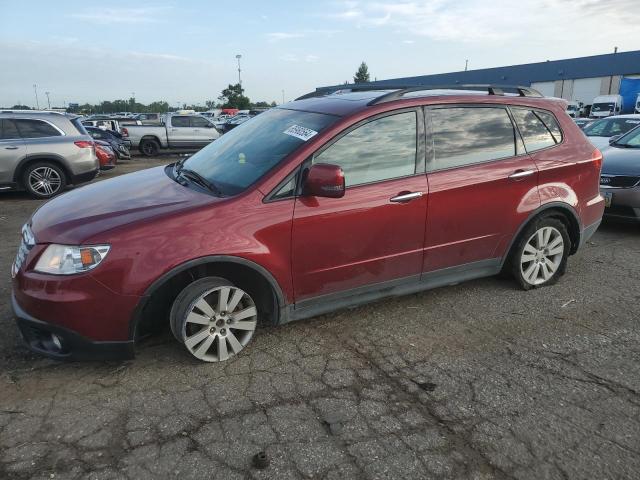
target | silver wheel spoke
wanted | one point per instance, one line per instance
(546, 236)
(236, 346)
(528, 248)
(546, 272)
(556, 242)
(528, 257)
(204, 347)
(246, 313)
(223, 354)
(195, 339)
(556, 251)
(540, 238)
(246, 325)
(223, 297)
(235, 299)
(194, 317)
(204, 307)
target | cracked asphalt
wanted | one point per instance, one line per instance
(475, 381)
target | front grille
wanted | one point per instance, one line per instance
(619, 181)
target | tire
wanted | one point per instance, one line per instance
(149, 147)
(539, 258)
(211, 328)
(44, 180)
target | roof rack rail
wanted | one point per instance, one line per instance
(398, 91)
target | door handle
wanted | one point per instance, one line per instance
(11, 148)
(518, 174)
(405, 197)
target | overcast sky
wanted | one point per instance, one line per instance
(184, 51)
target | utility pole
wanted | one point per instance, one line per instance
(48, 101)
(35, 89)
(238, 57)
(466, 65)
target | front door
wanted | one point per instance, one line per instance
(375, 233)
(482, 186)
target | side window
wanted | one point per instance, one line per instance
(468, 135)
(287, 190)
(35, 129)
(8, 130)
(539, 129)
(199, 122)
(179, 121)
(378, 150)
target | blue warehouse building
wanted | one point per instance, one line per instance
(574, 79)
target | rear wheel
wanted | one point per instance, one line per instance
(149, 147)
(44, 180)
(540, 257)
(213, 319)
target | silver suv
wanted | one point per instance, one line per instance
(43, 152)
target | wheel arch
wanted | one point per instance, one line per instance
(560, 210)
(172, 282)
(28, 160)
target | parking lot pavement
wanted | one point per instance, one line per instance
(478, 381)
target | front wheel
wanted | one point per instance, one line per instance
(540, 257)
(213, 319)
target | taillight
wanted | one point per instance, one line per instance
(84, 144)
(124, 132)
(596, 157)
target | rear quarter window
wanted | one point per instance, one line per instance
(539, 129)
(36, 128)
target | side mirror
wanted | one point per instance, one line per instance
(614, 139)
(324, 180)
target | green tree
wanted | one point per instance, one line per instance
(362, 74)
(20, 107)
(233, 97)
(260, 105)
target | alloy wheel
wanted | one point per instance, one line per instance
(219, 324)
(542, 255)
(45, 181)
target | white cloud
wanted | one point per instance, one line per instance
(279, 36)
(106, 15)
(291, 57)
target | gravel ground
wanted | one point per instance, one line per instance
(478, 381)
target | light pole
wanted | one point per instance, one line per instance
(48, 101)
(35, 89)
(238, 57)
(466, 65)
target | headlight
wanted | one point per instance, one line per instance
(67, 260)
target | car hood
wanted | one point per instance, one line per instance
(621, 161)
(84, 213)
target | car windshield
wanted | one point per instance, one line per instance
(631, 139)
(609, 127)
(243, 155)
(602, 107)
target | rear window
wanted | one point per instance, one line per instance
(8, 130)
(36, 129)
(468, 135)
(538, 129)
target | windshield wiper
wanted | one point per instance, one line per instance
(199, 179)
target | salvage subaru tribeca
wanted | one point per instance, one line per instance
(326, 202)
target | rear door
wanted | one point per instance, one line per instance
(482, 186)
(375, 233)
(12, 151)
(203, 131)
(180, 133)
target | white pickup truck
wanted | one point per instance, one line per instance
(177, 132)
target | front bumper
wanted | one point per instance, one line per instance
(64, 344)
(625, 203)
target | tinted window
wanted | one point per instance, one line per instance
(8, 130)
(243, 155)
(538, 129)
(609, 127)
(378, 150)
(465, 135)
(35, 129)
(199, 122)
(179, 121)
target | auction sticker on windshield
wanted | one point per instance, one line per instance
(302, 133)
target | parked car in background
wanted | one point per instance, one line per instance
(321, 204)
(42, 152)
(234, 121)
(103, 123)
(106, 156)
(119, 146)
(606, 106)
(574, 109)
(620, 178)
(177, 132)
(600, 131)
(148, 118)
(583, 122)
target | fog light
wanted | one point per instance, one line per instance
(57, 341)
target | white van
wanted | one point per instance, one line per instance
(606, 105)
(574, 109)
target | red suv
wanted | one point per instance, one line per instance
(326, 202)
